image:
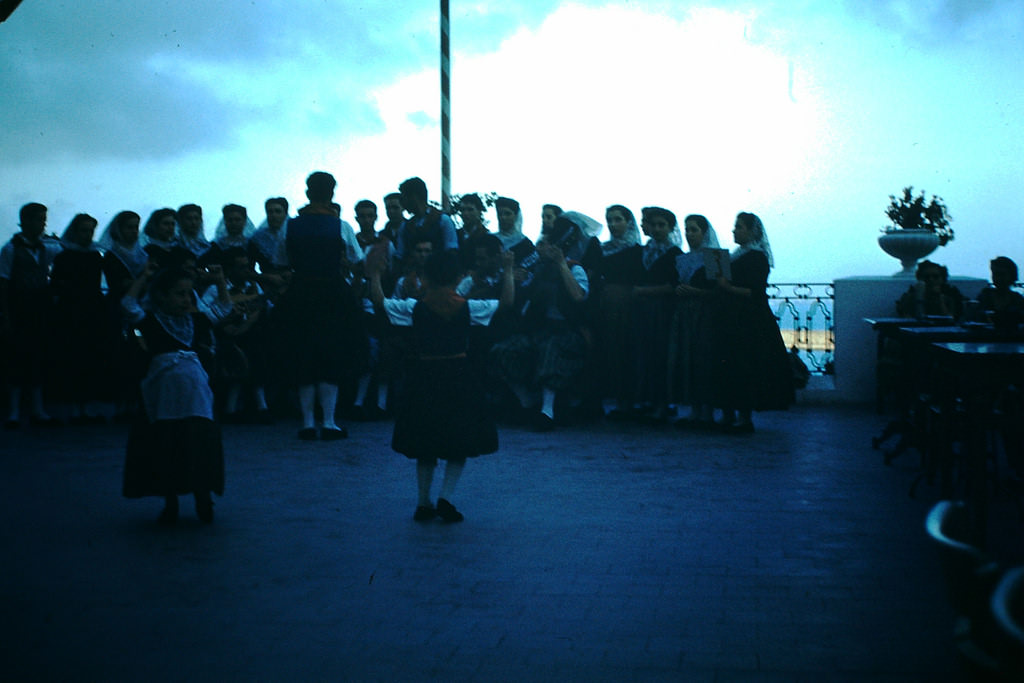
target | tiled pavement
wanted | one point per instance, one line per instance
(598, 553)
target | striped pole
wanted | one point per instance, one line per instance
(446, 120)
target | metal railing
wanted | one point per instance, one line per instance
(804, 312)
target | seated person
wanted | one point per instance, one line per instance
(550, 352)
(998, 298)
(931, 294)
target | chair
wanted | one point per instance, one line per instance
(970, 580)
(1008, 613)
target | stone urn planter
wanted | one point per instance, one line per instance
(909, 246)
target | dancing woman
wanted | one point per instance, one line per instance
(442, 414)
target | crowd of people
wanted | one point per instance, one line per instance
(310, 316)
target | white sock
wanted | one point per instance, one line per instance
(452, 472)
(424, 478)
(307, 400)
(260, 395)
(328, 394)
(548, 407)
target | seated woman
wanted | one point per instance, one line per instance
(931, 294)
(688, 345)
(242, 339)
(441, 414)
(611, 309)
(998, 300)
(750, 362)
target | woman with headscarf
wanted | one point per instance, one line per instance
(157, 238)
(124, 260)
(690, 333)
(190, 230)
(79, 332)
(235, 229)
(653, 303)
(752, 369)
(612, 310)
(510, 232)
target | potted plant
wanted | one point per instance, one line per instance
(918, 228)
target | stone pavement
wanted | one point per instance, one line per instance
(597, 553)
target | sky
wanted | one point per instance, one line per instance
(809, 114)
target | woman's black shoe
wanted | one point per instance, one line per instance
(330, 434)
(424, 513)
(169, 515)
(204, 508)
(447, 512)
(307, 434)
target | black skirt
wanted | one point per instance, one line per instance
(173, 457)
(442, 413)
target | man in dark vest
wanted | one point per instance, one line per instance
(425, 224)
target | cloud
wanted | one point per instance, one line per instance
(156, 80)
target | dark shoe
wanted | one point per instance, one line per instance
(741, 428)
(447, 512)
(543, 423)
(45, 422)
(618, 415)
(424, 513)
(328, 434)
(264, 417)
(169, 515)
(686, 423)
(204, 508)
(12, 424)
(656, 418)
(233, 418)
(308, 434)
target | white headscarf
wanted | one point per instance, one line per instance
(132, 255)
(225, 241)
(515, 236)
(760, 242)
(628, 239)
(653, 249)
(198, 245)
(272, 243)
(70, 245)
(146, 239)
(690, 262)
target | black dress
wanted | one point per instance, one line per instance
(442, 412)
(610, 306)
(749, 358)
(174, 456)
(652, 317)
(82, 338)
